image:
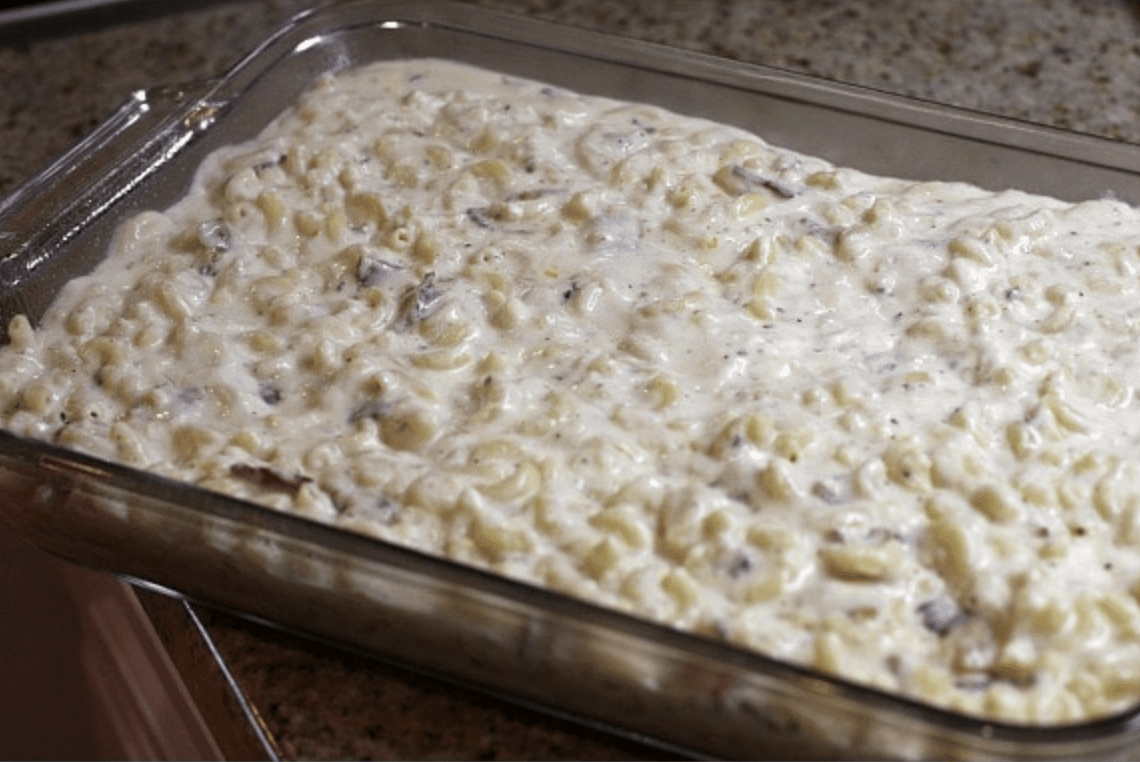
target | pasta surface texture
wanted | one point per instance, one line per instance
(884, 428)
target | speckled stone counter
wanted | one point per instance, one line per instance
(1064, 63)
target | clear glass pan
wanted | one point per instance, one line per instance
(536, 646)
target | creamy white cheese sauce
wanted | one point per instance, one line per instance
(885, 428)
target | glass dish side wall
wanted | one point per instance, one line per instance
(650, 679)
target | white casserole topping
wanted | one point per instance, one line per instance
(884, 428)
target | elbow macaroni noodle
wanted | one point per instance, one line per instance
(885, 428)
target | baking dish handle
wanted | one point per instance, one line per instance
(56, 204)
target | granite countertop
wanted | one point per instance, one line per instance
(1064, 63)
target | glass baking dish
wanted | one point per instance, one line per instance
(536, 646)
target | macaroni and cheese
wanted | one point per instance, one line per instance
(884, 428)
